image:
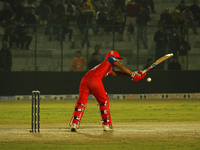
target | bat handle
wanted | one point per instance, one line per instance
(145, 70)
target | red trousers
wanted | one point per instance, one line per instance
(92, 83)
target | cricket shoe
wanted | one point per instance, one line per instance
(73, 127)
(107, 128)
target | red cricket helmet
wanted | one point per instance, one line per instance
(114, 53)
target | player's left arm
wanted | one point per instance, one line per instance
(136, 76)
(118, 73)
(124, 71)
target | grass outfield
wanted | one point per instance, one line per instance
(138, 124)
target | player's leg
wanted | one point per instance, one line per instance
(105, 112)
(79, 106)
(102, 97)
(79, 109)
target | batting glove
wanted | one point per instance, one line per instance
(138, 75)
(142, 74)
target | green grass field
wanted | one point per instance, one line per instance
(138, 124)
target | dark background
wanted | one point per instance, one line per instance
(49, 83)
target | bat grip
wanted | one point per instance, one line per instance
(145, 70)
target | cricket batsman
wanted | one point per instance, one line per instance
(92, 83)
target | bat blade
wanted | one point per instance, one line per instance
(160, 60)
(163, 58)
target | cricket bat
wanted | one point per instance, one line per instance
(161, 59)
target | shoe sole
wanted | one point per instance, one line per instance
(73, 129)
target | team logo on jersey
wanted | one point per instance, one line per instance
(112, 52)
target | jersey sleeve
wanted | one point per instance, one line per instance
(109, 72)
(111, 60)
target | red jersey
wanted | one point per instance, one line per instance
(104, 68)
